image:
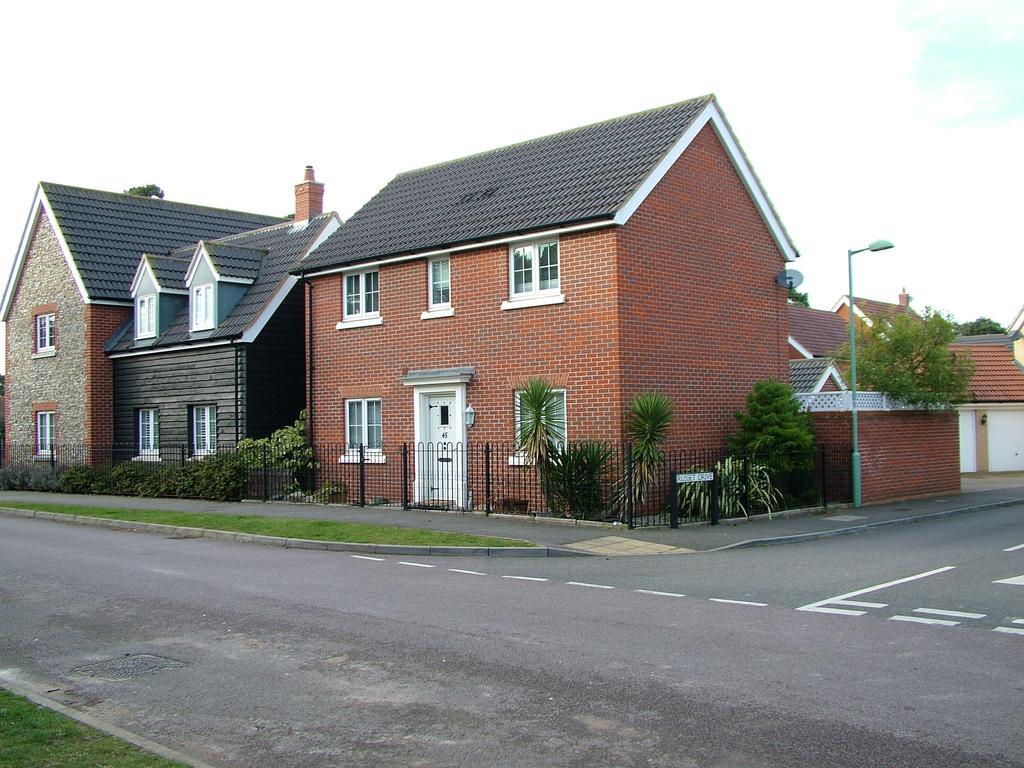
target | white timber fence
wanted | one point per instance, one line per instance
(839, 402)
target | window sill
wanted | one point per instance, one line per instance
(147, 457)
(371, 457)
(534, 301)
(359, 322)
(51, 352)
(430, 314)
(41, 456)
(145, 337)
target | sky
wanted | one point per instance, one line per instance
(867, 120)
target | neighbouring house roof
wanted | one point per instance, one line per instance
(106, 232)
(986, 338)
(998, 377)
(819, 332)
(169, 270)
(809, 374)
(594, 174)
(283, 245)
(235, 261)
(871, 310)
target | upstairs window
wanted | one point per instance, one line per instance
(202, 307)
(145, 317)
(204, 429)
(362, 295)
(440, 283)
(45, 326)
(534, 274)
(46, 430)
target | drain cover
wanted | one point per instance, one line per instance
(125, 667)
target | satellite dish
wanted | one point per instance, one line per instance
(789, 278)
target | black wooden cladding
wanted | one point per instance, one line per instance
(275, 369)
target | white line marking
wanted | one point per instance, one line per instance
(660, 594)
(1018, 621)
(735, 602)
(417, 565)
(165, 572)
(859, 604)
(923, 620)
(848, 595)
(367, 557)
(592, 586)
(1014, 549)
(1017, 581)
(840, 611)
(1009, 630)
(953, 614)
(471, 573)
(524, 578)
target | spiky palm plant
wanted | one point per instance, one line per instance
(541, 422)
(647, 425)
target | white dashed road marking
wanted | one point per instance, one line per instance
(859, 604)
(923, 620)
(820, 606)
(367, 557)
(524, 578)
(1017, 581)
(736, 602)
(416, 565)
(1014, 549)
(471, 573)
(585, 584)
(1009, 630)
(660, 594)
(951, 614)
(1018, 621)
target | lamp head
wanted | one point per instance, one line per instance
(880, 245)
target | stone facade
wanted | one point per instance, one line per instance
(36, 382)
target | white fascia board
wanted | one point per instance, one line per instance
(194, 264)
(799, 347)
(844, 301)
(364, 265)
(830, 373)
(1017, 326)
(239, 280)
(257, 325)
(712, 114)
(177, 348)
(142, 269)
(39, 205)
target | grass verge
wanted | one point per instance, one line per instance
(288, 527)
(32, 736)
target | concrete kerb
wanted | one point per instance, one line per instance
(280, 541)
(111, 730)
(798, 537)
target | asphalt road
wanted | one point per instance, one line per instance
(298, 658)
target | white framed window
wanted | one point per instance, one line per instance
(204, 429)
(202, 307)
(45, 325)
(439, 270)
(362, 295)
(149, 432)
(145, 317)
(363, 425)
(46, 431)
(558, 417)
(534, 274)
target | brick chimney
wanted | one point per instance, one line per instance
(905, 298)
(309, 196)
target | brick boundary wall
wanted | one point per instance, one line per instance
(904, 454)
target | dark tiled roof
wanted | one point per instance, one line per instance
(107, 232)
(819, 332)
(283, 244)
(986, 338)
(236, 261)
(169, 270)
(580, 175)
(805, 374)
(998, 377)
(881, 310)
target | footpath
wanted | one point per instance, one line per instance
(564, 537)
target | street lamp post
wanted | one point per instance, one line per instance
(878, 245)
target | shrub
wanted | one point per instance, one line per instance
(286, 449)
(574, 481)
(219, 477)
(79, 479)
(774, 425)
(29, 478)
(695, 498)
(647, 423)
(136, 478)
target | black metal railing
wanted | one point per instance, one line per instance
(585, 480)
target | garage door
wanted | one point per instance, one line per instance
(968, 451)
(1005, 441)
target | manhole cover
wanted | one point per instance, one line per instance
(125, 667)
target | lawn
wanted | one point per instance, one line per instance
(35, 737)
(288, 527)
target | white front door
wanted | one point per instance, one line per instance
(968, 446)
(440, 458)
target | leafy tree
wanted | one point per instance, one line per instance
(145, 190)
(908, 358)
(774, 425)
(795, 297)
(978, 327)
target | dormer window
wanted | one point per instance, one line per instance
(202, 307)
(145, 317)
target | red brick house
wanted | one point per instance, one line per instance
(633, 255)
